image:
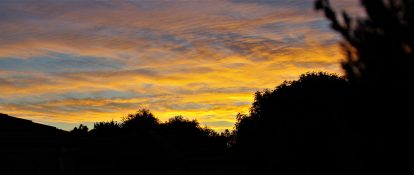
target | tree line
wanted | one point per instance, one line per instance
(319, 124)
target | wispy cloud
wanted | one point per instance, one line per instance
(68, 62)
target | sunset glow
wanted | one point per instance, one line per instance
(69, 62)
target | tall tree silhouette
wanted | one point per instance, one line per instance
(380, 47)
(380, 66)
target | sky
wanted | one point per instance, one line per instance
(66, 62)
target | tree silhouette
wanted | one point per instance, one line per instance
(178, 126)
(380, 47)
(142, 121)
(110, 128)
(297, 128)
(188, 136)
(379, 64)
(81, 130)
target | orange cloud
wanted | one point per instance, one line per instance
(72, 62)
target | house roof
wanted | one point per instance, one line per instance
(19, 132)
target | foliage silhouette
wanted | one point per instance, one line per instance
(140, 138)
(379, 65)
(318, 124)
(297, 128)
(184, 129)
(188, 137)
(106, 128)
(380, 47)
(80, 131)
(143, 121)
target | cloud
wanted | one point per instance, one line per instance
(219, 125)
(58, 63)
(65, 62)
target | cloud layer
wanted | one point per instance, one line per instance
(70, 62)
